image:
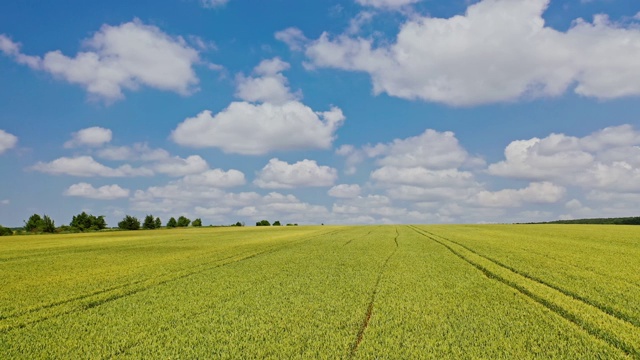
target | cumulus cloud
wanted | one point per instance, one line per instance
(498, 51)
(7, 141)
(386, 4)
(107, 192)
(257, 129)
(93, 137)
(345, 191)
(268, 86)
(420, 176)
(177, 166)
(293, 37)
(306, 173)
(270, 119)
(430, 150)
(138, 151)
(539, 192)
(86, 166)
(607, 159)
(125, 56)
(216, 178)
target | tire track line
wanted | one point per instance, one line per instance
(374, 293)
(598, 324)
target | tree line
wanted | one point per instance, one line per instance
(84, 222)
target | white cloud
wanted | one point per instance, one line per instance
(139, 151)
(126, 56)
(608, 159)
(345, 191)
(293, 37)
(107, 192)
(277, 122)
(386, 4)
(270, 85)
(306, 173)
(498, 51)
(216, 178)
(213, 3)
(419, 176)
(86, 166)
(539, 192)
(5, 202)
(177, 166)
(7, 141)
(249, 129)
(94, 137)
(12, 49)
(431, 149)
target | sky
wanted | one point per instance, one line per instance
(320, 111)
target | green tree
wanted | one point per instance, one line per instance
(33, 224)
(172, 223)
(5, 231)
(48, 226)
(183, 221)
(263, 223)
(129, 223)
(36, 223)
(149, 223)
(276, 223)
(158, 223)
(239, 224)
(88, 222)
(197, 222)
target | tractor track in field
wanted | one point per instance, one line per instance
(150, 283)
(374, 293)
(359, 237)
(626, 337)
(604, 308)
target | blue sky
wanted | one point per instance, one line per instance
(359, 111)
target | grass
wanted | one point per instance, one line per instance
(323, 292)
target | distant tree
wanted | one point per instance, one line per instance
(33, 224)
(197, 222)
(149, 223)
(48, 226)
(36, 223)
(263, 223)
(276, 223)
(158, 223)
(239, 224)
(129, 223)
(183, 221)
(87, 222)
(172, 223)
(5, 231)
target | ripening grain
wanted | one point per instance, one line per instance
(323, 292)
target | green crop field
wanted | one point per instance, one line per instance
(390, 292)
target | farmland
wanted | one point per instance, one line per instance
(472, 291)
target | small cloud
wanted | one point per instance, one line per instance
(282, 175)
(210, 4)
(107, 192)
(86, 166)
(92, 137)
(7, 141)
